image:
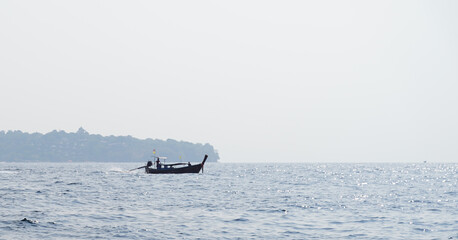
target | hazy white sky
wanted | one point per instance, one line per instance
(285, 81)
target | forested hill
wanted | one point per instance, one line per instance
(60, 146)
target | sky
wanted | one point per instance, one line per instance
(262, 81)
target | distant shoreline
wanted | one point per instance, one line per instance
(80, 146)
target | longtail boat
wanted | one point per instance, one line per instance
(173, 168)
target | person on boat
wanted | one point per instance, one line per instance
(189, 164)
(158, 164)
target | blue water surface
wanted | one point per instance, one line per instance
(229, 201)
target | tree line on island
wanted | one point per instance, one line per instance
(60, 146)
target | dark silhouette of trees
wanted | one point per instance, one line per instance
(60, 146)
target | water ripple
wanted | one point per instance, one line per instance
(229, 201)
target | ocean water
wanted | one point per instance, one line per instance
(229, 201)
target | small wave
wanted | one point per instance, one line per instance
(75, 183)
(336, 222)
(434, 210)
(12, 169)
(365, 221)
(240, 220)
(327, 229)
(357, 235)
(25, 220)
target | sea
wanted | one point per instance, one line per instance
(230, 201)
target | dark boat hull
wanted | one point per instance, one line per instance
(190, 169)
(171, 170)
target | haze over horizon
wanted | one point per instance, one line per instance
(262, 81)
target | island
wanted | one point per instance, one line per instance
(80, 146)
